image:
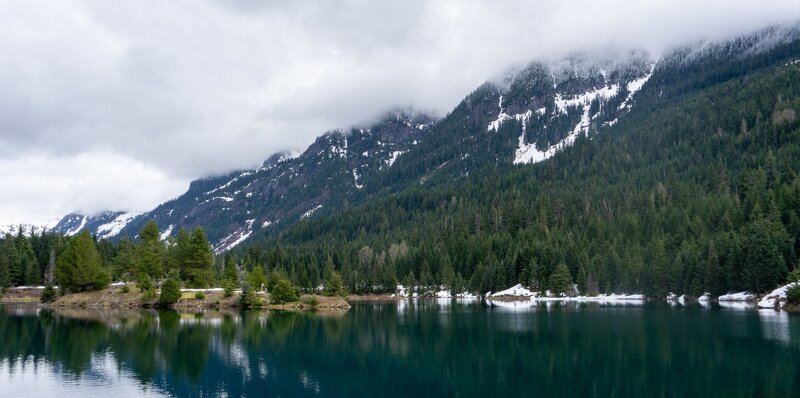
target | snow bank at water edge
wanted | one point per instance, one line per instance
(741, 296)
(776, 297)
(516, 291)
(672, 297)
(601, 298)
(402, 291)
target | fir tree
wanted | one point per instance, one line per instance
(170, 292)
(150, 251)
(79, 269)
(282, 292)
(426, 282)
(334, 285)
(199, 259)
(561, 281)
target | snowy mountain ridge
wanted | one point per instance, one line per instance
(529, 116)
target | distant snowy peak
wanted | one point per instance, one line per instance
(290, 186)
(26, 229)
(115, 226)
(746, 45)
(104, 225)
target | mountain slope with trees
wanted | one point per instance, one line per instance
(624, 175)
(694, 190)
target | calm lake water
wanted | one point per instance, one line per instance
(406, 349)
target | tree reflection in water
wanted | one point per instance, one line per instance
(416, 348)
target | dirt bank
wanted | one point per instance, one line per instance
(21, 295)
(132, 297)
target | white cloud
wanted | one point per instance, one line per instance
(35, 187)
(194, 87)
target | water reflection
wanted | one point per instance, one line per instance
(412, 347)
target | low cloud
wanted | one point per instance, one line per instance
(165, 92)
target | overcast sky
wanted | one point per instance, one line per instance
(119, 104)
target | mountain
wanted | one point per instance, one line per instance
(676, 174)
(673, 175)
(27, 229)
(285, 188)
(104, 225)
(560, 101)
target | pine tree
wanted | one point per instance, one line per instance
(561, 281)
(230, 274)
(5, 263)
(410, 283)
(256, 279)
(334, 285)
(248, 299)
(170, 292)
(447, 276)
(715, 276)
(78, 268)
(282, 292)
(199, 259)
(27, 262)
(125, 265)
(150, 251)
(764, 266)
(426, 282)
(661, 272)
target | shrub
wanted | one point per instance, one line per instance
(334, 285)
(248, 298)
(282, 292)
(48, 294)
(200, 296)
(143, 282)
(170, 292)
(227, 287)
(125, 289)
(310, 300)
(149, 294)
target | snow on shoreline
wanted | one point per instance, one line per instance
(516, 291)
(775, 298)
(741, 296)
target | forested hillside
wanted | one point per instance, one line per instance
(634, 175)
(696, 189)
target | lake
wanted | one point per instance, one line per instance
(405, 349)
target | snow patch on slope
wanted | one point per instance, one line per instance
(527, 153)
(74, 231)
(167, 232)
(234, 239)
(636, 85)
(310, 212)
(583, 100)
(355, 179)
(393, 157)
(113, 228)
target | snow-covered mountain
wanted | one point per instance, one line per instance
(104, 225)
(529, 116)
(286, 188)
(553, 105)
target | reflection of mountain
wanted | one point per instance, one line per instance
(424, 348)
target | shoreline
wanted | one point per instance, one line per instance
(113, 297)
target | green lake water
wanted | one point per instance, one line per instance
(406, 349)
